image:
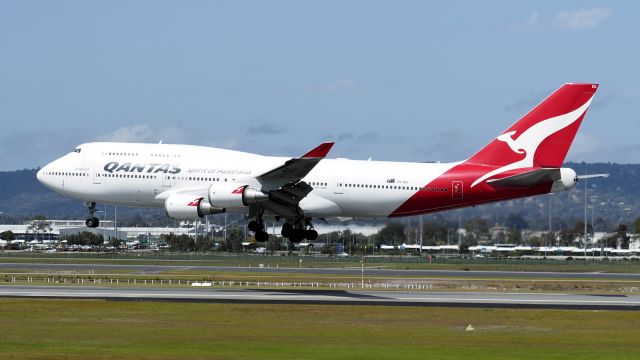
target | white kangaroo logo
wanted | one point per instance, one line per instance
(528, 142)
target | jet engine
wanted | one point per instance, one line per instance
(235, 196)
(189, 207)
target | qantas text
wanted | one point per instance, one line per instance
(142, 167)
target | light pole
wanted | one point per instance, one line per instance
(459, 229)
(585, 217)
(327, 236)
(224, 237)
(592, 199)
(549, 234)
(115, 224)
(585, 178)
(593, 239)
(420, 231)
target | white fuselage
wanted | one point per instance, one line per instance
(143, 175)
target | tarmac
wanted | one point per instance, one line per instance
(333, 297)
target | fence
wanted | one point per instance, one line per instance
(62, 280)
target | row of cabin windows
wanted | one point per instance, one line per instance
(396, 187)
(193, 178)
(142, 176)
(63, 173)
(133, 176)
(120, 154)
(165, 155)
(136, 154)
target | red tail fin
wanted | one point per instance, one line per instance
(543, 136)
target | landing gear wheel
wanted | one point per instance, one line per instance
(311, 234)
(262, 236)
(255, 226)
(297, 236)
(92, 222)
(287, 230)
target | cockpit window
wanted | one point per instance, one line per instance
(77, 150)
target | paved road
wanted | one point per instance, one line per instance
(328, 297)
(151, 269)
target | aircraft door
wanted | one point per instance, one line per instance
(457, 190)
(167, 180)
(338, 187)
(96, 178)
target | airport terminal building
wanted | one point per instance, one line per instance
(54, 230)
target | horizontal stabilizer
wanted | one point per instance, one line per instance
(528, 179)
(592, 176)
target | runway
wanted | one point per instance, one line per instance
(328, 297)
(355, 271)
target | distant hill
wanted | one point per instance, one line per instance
(22, 197)
(616, 199)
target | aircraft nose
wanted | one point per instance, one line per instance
(40, 175)
(43, 178)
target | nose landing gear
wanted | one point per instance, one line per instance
(92, 221)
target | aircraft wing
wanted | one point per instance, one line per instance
(294, 169)
(284, 201)
(286, 189)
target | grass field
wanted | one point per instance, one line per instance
(81, 329)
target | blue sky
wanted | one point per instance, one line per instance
(401, 80)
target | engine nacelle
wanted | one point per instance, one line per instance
(235, 196)
(189, 207)
(568, 180)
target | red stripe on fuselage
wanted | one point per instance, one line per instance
(424, 201)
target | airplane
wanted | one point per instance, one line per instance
(191, 182)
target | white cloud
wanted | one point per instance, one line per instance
(144, 133)
(266, 128)
(227, 143)
(534, 18)
(135, 133)
(582, 19)
(339, 84)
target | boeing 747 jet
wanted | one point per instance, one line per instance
(190, 182)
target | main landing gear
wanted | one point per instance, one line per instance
(258, 229)
(92, 221)
(295, 231)
(299, 231)
(257, 226)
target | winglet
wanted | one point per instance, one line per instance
(320, 151)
